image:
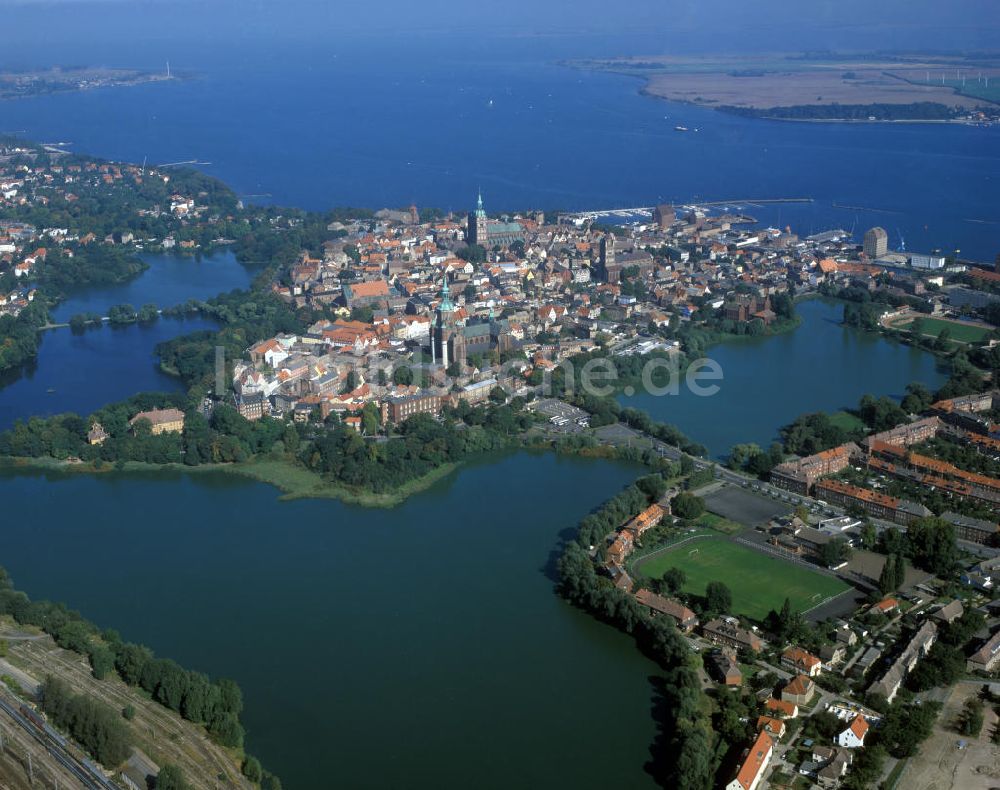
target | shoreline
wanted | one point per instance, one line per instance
(293, 482)
(646, 91)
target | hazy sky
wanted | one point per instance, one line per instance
(661, 25)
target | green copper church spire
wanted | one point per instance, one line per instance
(447, 306)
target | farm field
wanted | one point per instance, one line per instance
(759, 582)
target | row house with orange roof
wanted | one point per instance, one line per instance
(646, 520)
(874, 503)
(799, 660)
(801, 474)
(754, 764)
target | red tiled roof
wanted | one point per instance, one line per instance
(754, 762)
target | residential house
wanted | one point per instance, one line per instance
(780, 707)
(646, 520)
(800, 475)
(833, 767)
(684, 618)
(949, 612)
(884, 607)
(986, 658)
(831, 655)
(974, 530)
(799, 689)
(918, 646)
(728, 634)
(797, 659)
(724, 669)
(97, 434)
(621, 546)
(874, 503)
(754, 764)
(160, 420)
(773, 727)
(853, 737)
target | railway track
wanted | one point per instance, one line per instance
(51, 661)
(90, 777)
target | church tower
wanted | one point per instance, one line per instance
(609, 271)
(443, 328)
(608, 250)
(477, 231)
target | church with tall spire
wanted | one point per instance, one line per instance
(447, 341)
(489, 234)
(478, 230)
(452, 341)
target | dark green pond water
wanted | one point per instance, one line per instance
(416, 647)
(768, 381)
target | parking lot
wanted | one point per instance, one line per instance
(562, 416)
(744, 507)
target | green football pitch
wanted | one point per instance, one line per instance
(759, 582)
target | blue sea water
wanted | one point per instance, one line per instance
(431, 118)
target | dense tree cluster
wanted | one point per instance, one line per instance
(423, 444)
(893, 574)
(171, 778)
(107, 209)
(19, 336)
(688, 506)
(683, 755)
(864, 315)
(917, 399)
(246, 318)
(834, 552)
(610, 516)
(754, 460)
(227, 437)
(812, 433)
(97, 264)
(94, 725)
(928, 542)
(880, 111)
(880, 414)
(668, 434)
(945, 662)
(787, 625)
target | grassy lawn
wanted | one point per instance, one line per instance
(963, 333)
(759, 582)
(718, 523)
(847, 421)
